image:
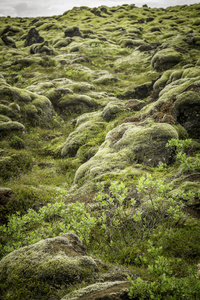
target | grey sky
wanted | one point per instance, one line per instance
(34, 8)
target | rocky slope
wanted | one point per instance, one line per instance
(94, 96)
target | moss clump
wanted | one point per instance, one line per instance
(9, 127)
(165, 59)
(127, 145)
(43, 270)
(15, 164)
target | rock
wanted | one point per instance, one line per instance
(62, 42)
(165, 59)
(135, 105)
(11, 30)
(34, 109)
(110, 111)
(131, 43)
(8, 41)
(33, 37)
(187, 112)
(101, 291)
(46, 269)
(106, 79)
(128, 144)
(139, 92)
(86, 129)
(72, 31)
(41, 48)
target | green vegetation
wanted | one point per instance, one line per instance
(99, 136)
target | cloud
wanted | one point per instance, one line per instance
(34, 8)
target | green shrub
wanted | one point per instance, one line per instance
(51, 220)
(187, 162)
(122, 223)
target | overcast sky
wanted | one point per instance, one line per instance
(34, 8)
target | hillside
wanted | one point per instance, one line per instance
(100, 154)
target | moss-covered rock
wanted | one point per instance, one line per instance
(15, 163)
(187, 112)
(32, 108)
(41, 48)
(165, 59)
(33, 37)
(101, 290)
(127, 145)
(64, 42)
(46, 269)
(87, 128)
(72, 31)
(10, 127)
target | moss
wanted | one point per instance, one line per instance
(106, 79)
(95, 288)
(127, 145)
(85, 131)
(165, 59)
(16, 163)
(131, 43)
(9, 127)
(53, 272)
(62, 43)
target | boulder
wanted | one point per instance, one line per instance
(165, 59)
(117, 290)
(140, 92)
(8, 41)
(127, 145)
(110, 111)
(72, 31)
(41, 48)
(187, 112)
(62, 42)
(86, 129)
(46, 269)
(33, 37)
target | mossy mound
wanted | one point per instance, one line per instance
(89, 127)
(165, 59)
(127, 145)
(87, 98)
(9, 127)
(106, 290)
(46, 269)
(31, 108)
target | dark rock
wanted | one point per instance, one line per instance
(41, 48)
(150, 19)
(72, 31)
(139, 92)
(33, 37)
(187, 112)
(8, 41)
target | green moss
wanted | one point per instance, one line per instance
(127, 145)
(9, 127)
(165, 59)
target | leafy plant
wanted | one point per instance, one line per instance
(51, 220)
(188, 162)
